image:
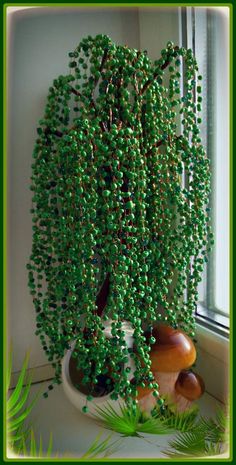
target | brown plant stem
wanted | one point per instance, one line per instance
(101, 299)
(167, 62)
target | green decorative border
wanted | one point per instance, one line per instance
(4, 7)
(120, 4)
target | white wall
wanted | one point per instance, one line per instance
(157, 27)
(39, 40)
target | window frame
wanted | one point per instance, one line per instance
(206, 312)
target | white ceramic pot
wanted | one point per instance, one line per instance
(77, 398)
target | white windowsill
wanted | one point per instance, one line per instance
(73, 432)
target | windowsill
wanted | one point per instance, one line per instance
(73, 432)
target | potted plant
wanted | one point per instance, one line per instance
(118, 240)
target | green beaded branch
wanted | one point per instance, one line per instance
(109, 159)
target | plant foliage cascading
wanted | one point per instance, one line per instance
(112, 148)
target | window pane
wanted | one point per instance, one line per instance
(209, 34)
(222, 163)
(199, 37)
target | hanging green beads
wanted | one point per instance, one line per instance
(106, 182)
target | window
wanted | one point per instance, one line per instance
(206, 31)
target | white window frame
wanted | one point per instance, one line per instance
(212, 328)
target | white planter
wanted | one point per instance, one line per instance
(77, 398)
